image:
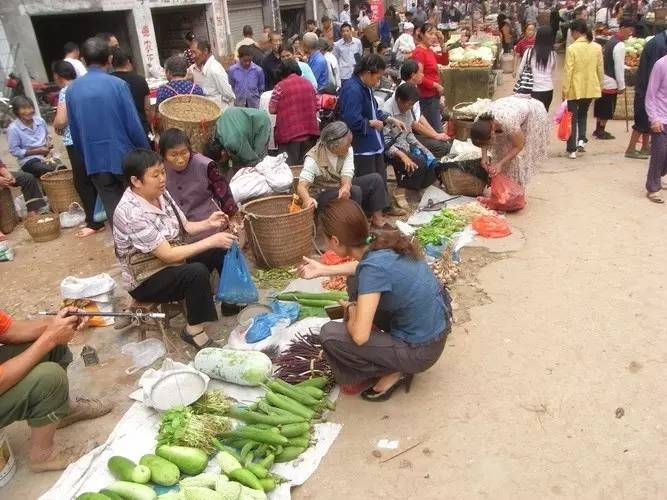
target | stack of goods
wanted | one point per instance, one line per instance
(471, 57)
(313, 304)
(633, 50)
(441, 228)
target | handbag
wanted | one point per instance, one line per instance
(144, 265)
(524, 84)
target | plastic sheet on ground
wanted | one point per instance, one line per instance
(135, 435)
(437, 195)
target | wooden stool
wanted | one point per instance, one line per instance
(8, 218)
(170, 310)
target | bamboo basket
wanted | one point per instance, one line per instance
(59, 189)
(195, 115)
(8, 217)
(619, 112)
(46, 230)
(462, 123)
(278, 238)
(466, 178)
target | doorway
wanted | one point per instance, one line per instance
(171, 24)
(293, 21)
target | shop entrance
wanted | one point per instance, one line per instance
(293, 21)
(171, 24)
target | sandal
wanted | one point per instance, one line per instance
(655, 198)
(198, 341)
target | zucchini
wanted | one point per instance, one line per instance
(227, 462)
(125, 469)
(319, 382)
(245, 477)
(253, 417)
(163, 472)
(315, 392)
(289, 404)
(259, 471)
(91, 495)
(191, 461)
(268, 437)
(294, 430)
(267, 461)
(268, 484)
(299, 442)
(289, 453)
(272, 410)
(132, 491)
(111, 494)
(281, 387)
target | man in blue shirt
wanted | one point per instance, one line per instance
(103, 122)
(316, 61)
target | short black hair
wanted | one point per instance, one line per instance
(409, 68)
(189, 36)
(345, 25)
(19, 102)
(106, 36)
(247, 31)
(64, 69)
(325, 19)
(70, 47)
(370, 62)
(245, 50)
(172, 138)
(407, 92)
(311, 21)
(579, 10)
(177, 65)
(287, 68)
(137, 161)
(119, 58)
(627, 23)
(203, 44)
(95, 51)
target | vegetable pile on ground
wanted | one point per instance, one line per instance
(445, 269)
(277, 277)
(441, 227)
(469, 211)
(303, 359)
(313, 304)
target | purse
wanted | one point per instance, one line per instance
(144, 265)
(524, 84)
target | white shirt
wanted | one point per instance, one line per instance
(543, 78)
(79, 68)
(363, 23)
(344, 17)
(334, 72)
(213, 80)
(617, 83)
(404, 44)
(311, 170)
(264, 104)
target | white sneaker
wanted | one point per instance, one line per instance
(581, 146)
(573, 155)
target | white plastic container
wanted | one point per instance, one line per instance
(7, 461)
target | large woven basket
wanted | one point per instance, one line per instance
(193, 114)
(59, 189)
(466, 178)
(278, 238)
(44, 227)
(619, 112)
(7, 212)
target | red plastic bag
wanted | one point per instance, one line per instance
(565, 126)
(506, 195)
(491, 226)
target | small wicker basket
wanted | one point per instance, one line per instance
(44, 227)
(278, 238)
(59, 189)
(195, 115)
(466, 178)
(8, 217)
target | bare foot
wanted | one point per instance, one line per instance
(57, 458)
(386, 382)
(87, 231)
(2, 236)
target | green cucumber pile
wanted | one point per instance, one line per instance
(442, 226)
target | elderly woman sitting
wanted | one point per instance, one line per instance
(328, 173)
(147, 221)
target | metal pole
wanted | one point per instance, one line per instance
(26, 80)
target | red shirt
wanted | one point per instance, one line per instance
(429, 60)
(522, 45)
(294, 103)
(5, 322)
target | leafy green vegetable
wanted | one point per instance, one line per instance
(182, 427)
(311, 312)
(277, 277)
(214, 402)
(442, 226)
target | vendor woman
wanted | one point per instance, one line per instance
(147, 221)
(515, 128)
(328, 173)
(194, 181)
(398, 321)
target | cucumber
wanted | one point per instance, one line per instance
(289, 453)
(132, 491)
(245, 477)
(89, 495)
(163, 472)
(294, 430)
(191, 461)
(111, 494)
(125, 469)
(319, 382)
(268, 484)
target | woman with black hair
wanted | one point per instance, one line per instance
(148, 222)
(399, 316)
(542, 60)
(430, 88)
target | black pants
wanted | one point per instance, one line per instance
(190, 281)
(435, 146)
(418, 179)
(545, 97)
(579, 110)
(430, 107)
(32, 192)
(84, 187)
(369, 164)
(110, 187)
(37, 167)
(368, 191)
(296, 151)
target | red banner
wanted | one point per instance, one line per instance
(377, 10)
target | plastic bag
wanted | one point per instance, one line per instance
(100, 214)
(20, 207)
(74, 216)
(506, 195)
(143, 353)
(283, 314)
(277, 173)
(565, 126)
(558, 115)
(491, 226)
(247, 183)
(236, 285)
(73, 287)
(6, 252)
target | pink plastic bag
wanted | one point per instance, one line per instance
(506, 195)
(558, 116)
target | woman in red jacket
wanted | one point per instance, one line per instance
(430, 88)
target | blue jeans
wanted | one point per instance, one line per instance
(430, 108)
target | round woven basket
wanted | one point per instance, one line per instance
(195, 115)
(8, 217)
(278, 238)
(59, 189)
(465, 178)
(44, 227)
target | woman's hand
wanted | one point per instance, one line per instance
(439, 88)
(309, 202)
(493, 169)
(218, 220)
(409, 165)
(310, 269)
(223, 240)
(376, 124)
(397, 123)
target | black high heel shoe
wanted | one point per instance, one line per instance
(371, 394)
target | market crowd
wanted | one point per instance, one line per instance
(173, 204)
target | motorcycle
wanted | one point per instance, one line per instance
(46, 94)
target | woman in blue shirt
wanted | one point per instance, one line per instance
(398, 323)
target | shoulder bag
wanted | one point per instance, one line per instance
(524, 84)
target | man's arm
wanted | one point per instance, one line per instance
(134, 129)
(619, 66)
(652, 92)
(423, 127)
(223, 86)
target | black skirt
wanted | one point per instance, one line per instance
(605, 106)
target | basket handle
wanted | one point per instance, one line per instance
(247, 217)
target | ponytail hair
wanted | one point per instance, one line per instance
(396, 241)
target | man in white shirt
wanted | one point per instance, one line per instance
(247, 39)
(72, 57)
(344, 16)
(348, 50)
(209, 74)
(332, 63)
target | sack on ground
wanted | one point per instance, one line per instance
(507, 195)
(236, 285)
(277, 173)
(248, 183)
(74, 216)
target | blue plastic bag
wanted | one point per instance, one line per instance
(99, 215)
(236, 285)
(283, 314)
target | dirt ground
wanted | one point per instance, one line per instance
(557, 330)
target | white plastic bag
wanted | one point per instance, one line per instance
(87, 288)
(75, 216)
(20, 207)
(247, 183)
(277, 173)
(143, 353)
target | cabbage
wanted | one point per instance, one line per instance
(456, 54)
(630, 50)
